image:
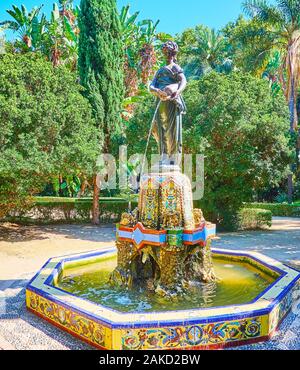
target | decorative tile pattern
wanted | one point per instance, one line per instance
(148, 203)
(165, 194)
(200, 235)
(77, 324)
(142, 237)
(185, 337)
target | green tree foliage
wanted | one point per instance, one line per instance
(204, 50)
(248, 40)
(56, 38)
(46, 127)
(101, 64)
(60, 41)
(241, 129)
(273, 27)
(255, 49)
(28, 25)
(101, 69)
(138, 128)
(141, 44)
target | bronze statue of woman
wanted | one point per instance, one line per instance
(168, 85)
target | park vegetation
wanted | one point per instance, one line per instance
(101, 73)
(46, 125)
(65, 97)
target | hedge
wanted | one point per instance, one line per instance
(277, 209)
(254, 218)
(58, 210)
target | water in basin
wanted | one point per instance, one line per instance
(240, 283)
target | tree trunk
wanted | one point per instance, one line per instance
(84, 185)
(290, 189)
(293, 106)
(96, 208)
(293, 130)
(293, 68)
(60, 180)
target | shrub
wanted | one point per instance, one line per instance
(67, 210)
(297, 190)
(253, 218)
(241, 129)
(278, 210)
(46, 128)
(281, 198)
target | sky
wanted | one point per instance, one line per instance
(174, 15)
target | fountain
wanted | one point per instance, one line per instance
(163, 287)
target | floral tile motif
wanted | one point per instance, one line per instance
(192, 336)
(67, 319)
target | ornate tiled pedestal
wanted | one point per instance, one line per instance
(165, 243)
(166, 201)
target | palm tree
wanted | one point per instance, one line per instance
(141, 43)
(140, 40)
(204, 50)
(128, 25)
(129, 31)
(61, 41)
(281, 24)
(148, 38)
(28, 25)
(282, 30)
(57, 38)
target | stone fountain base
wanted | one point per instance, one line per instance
(202, 328)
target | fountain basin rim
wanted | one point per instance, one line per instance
(263, 304)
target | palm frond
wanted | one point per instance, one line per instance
(204, 50)
(290, 10)
(163, 37)
(262, 11)
(194, 69)
(14, 26)
(70, 34)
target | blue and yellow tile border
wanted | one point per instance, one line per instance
(194, 329)
(140, 236)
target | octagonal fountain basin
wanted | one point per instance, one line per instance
(246, 305)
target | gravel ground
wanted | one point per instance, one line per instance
(21, 330)
(24, 250)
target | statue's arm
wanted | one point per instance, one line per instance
(155, 91)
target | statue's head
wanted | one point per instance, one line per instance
(170, 49)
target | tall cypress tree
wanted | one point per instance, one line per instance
(101, 70)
